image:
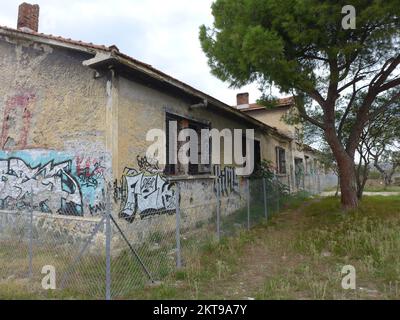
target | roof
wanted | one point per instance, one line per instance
(111, 54)
(282, 103)
(61, 39)
(308, 148)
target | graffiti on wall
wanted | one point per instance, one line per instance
(227, 179)
(144, 192)
(89, 171)
(51, 187)
(51, 182)
(146, 165)
(97, 208)
(17, 121)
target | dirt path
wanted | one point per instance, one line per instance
(367, 193)
(299, 255)
(264, 258)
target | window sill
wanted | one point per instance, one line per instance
(191, 177)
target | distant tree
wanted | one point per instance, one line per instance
(301, 48)
(384, 150)
(379, 141)
(392, 158)
(364, 160)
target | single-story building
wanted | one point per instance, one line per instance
(74, 118)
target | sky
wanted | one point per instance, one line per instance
(162, 33)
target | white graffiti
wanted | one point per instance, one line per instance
(227, 179)
(146, 194)
(51, 187)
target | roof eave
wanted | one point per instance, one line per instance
(105, 56)
(46, 40)
(198, 94)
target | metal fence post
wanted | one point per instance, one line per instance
(265, 197)
(319, 183)
(178, 226)
(218, 210)
(248, 203)
(278, 198)
(108, 248)
(31, 236)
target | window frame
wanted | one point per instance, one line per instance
(280, 163)
(190, 169)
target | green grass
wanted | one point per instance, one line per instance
(307, 245)
(325, 240)
(382, 188)
(377, 188)
(367, 238)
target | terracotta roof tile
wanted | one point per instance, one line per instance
(58, 38)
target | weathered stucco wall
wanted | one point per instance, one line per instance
(274, 119)
(52, 118)
(65, 136)
(140, 109)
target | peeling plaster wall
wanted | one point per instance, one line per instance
(142, 108)
(274, 118)
(53, 137)
(64, 135)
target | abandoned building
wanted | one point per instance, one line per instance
(295, 162)
(74, 119)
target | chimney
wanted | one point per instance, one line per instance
(28, 17)
(242, 100)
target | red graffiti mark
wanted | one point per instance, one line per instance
(78, 165)
(13, 108)
(89, 167)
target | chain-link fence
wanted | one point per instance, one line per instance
(110, 256)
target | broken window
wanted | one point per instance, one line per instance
(197, 167)
(280, 160)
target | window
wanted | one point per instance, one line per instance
(192, 168)
(316, 166)
(200, 168)
(307, 161)
(280, 160)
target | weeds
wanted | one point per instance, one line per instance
(303, 250)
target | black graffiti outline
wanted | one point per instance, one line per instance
(145, 165)
(89, 178)
(124, 189)
(66, 208)
(226, 178)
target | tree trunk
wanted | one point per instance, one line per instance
(346, 170)
(348, 187)
(362, 173)
(386, 176)
(337, 187)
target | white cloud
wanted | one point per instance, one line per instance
(161, 33)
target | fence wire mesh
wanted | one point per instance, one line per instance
(113, 256)
(142, 252)
(31, 242)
